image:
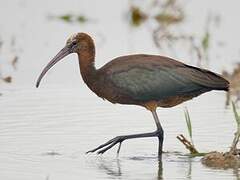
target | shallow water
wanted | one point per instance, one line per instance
(47, 136)
(45, 132)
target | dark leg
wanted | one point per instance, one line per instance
(160, 134)
(119, 139)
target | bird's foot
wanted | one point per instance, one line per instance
(108, 145)
(119, 139)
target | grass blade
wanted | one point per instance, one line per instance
(188, 144)
(188, 121)
(233, 148)
(237, 117)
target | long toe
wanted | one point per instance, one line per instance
(119, 140)
(109, 144)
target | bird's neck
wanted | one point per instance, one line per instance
(87, 66)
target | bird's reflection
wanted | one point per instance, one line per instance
(113, 167)
(189, 173)
(134, 167)
(160, 169)
(150, 166)
(121, 168)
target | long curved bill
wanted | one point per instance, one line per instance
(63, 53)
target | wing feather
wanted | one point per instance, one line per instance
(204, 77)
(146, 84)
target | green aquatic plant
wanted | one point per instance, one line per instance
(205, 41)
(233, 148)
(13, 62)
(66, 17)
(189, 144)
(237, 116)
(228, 159)
(7, 79)
(189, 124)
(168, 18)
(81, 19)
(70, 18)
(137, 16)
(233, 77)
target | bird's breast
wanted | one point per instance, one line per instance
(105, 89)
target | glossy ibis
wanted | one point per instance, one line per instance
(150, 81)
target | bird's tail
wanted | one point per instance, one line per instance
(217, 82)
(221, 83)
(210, 79)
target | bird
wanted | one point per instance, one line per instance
(150, 81)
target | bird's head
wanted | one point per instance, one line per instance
(80, 43)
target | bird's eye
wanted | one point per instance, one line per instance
(74, 43)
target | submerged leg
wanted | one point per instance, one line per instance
(119, 139)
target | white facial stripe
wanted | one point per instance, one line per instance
(73, 37)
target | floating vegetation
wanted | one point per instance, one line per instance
(234, 79)
(71, 18)
(7, 79)
(81, 19)
(168, 16)
(234, 149)
(137, 16)
(205, 41)
(168, 13)
(230, 159)
(13, 62)
(66, 18)
(168, 19)
(187, 144)
(221, 160)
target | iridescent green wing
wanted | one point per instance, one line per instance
(154, 83)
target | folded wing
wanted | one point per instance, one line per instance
(159, 82)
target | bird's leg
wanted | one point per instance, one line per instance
(119, 139)
(160, 132)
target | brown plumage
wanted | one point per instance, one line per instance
(145, 80)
